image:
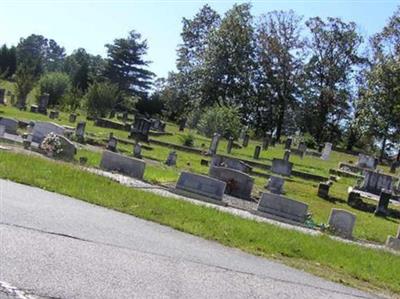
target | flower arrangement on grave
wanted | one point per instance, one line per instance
(52, 145)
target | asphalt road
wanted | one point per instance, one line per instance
(52, 246)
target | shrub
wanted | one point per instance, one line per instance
(187, 139)
(101, 98)
(222, 120)
(310, 141)
(57, 85)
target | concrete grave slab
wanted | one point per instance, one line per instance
(126, 165)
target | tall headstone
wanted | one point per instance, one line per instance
(137, 150)
(171, 159)
(266, 141)
(229, 145)
(302, 149)
(80, 131)
(326, 151)
(384, 199)
(182, 124)
(214, 144)
(43, 102)
(2, 96)
(257, 151)
(112, 143)
(281, 167)
(246, 139)
(288, 143)
(286, 155)
(140, 129)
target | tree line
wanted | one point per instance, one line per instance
(275, 73)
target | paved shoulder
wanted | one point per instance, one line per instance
(56, 246)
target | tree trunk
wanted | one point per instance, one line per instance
(281, 117)
(398, 156)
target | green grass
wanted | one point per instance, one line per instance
(349, 264)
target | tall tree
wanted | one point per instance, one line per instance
(279, 48)
(333, 47)
(8, 61)
(126, 66)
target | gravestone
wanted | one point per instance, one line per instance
(182, 124)
(214, 144)
(342, 222)
(126, 165)
(283, 207)
(229, 145)
(140, 129)
(394, 166)
(201, 185)
(233, 163)
(72, 118)
(2, 96)
(246, 139)
(394, 242)
(286, 155)
(383, 204)
(112, 143)
(125, 116)
(137, 150)
(112, 113)
(354, 199)
(43, 102)
(257, 151)
(375, 181)
(238, 183)
(302, 149)
(365, 161)
(42, 129)
(80, 131)
(275, 184)
(323, 190)
(2, 130)
(68, 149)
(288, 143)
(281, 167)
(171, 159)
(266, 141)
(34, 109)
(326, 151)
(27, 142)
(10, 124)
(53, 115)
(273, 141)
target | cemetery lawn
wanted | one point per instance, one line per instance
(353, 265)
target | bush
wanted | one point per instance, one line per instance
(187, 140)
(222, 120)
(101, 98)
(310, 141)
(57, 85)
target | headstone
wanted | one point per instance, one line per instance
(394, 242)
(365, 161)
(302, 149)
(137, 150)
(201, 185)
(43, 102)
(112, 143)
(171, 159)
(288, 143)
(275, 184)
(26, 143)
(126, 165)
(214, 144)
(140, 129)
(286, 155)
(354, 199)
(323, 190)
(80, 131)
(182, 124)
(238, 183)
(2, 96)
(10, 124)
(229, 145)
(246, 139)
(283, 207)
(53, 114)
(42, 129)
(257, 151)
(266, 140)
(326, 151)
(125, 116)
(342, 222)
(34, 109)
(2, 130)
(281, 167)
(233, 163)
(112, 113)
(375, 181)
(383, 204)
(273, 141)
(72, 118)
(68, 148)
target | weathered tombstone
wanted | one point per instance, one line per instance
(342, 222)
(275, 184)
(278, 205)
(375, 181)
(323, 190)
(238, 183)
(326, 151)
(229, 145)
(365, 161)
(288, 143)
(68, 148)
(205, 187)
(2, 130)
(72, 118)
(2, 96)
(246, 139)
(80, 131)
(214, 144)
(34, 109)
(233, 163)
(112, 143)
(266, 141)
(53, 114)
(302, 149)
(42, 129)
(286, 155)
(140, 129)
(281, 167)
(137, 150)
(354, 199)
(126, 165)
(43, 102)
(182, 124)
(257, 151)
(10, 124)
(394, 242)
(383, 204)
(171, 159)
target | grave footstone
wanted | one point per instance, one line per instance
(214, 144)
(257, 151)
(2, 96)
(342, 222)
(34, 109)
(278, 205)
(43, 102)
(137, 150)
(281, 167)
(288, 143)
(323, 190)
(326, 151)
(171, 159)
(246, 139)
(384, 199)
(132, 167)
(394, 242)
(286, 155)
(80, 131)
(112, 143)
(275, 184)
(229, 145)
(72, 118)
